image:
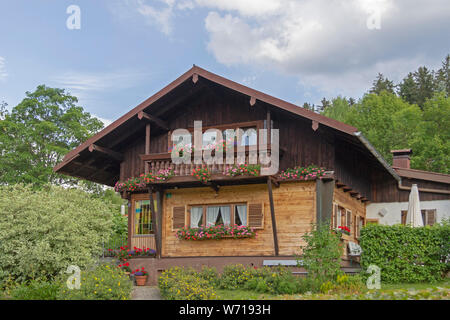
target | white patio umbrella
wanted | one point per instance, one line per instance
(414, 216)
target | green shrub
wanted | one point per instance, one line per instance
(185, 284)
(104, 282)
(406, 254)
(42, 232)
(322, 253)
(36, 290)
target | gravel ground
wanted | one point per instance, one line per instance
(145, 293)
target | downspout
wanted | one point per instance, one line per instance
(384, 163)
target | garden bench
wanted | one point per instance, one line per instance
(271, 263)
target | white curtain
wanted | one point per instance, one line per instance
(226, 215)
(196, 215)
(211, 215)
(242, 212)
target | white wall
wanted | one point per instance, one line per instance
(394, 209)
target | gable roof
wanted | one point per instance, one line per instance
(150, 105)
(197, 71)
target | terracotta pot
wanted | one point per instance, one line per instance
(140, 280)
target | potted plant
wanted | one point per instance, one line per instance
(141, 276)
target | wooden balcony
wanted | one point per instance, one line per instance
(183, 172)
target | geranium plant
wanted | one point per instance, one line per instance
(202, 174)
(343, 230)
(215, 232)
(302, 173)
(141, 182)
(242, 169)
(140, 272)
(125, 267)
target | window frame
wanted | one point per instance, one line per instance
(134, 231)
(232, 206)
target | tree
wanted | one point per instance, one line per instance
(338, 109)
(417, 87)
(382, 84)
(443, 76)
(432, 147)
(38, 132)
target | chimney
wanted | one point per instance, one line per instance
(401, 158)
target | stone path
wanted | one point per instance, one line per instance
(145, 293)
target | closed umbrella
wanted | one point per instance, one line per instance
(414, 216)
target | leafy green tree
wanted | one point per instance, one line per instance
(443, 76)
(338, 109)
(432, 145)
(382, 84)
(38, 132)
(417, 87)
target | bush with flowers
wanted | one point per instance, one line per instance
(242, 169)
(138, 183)
(124, 253)
(302, 173)
(179, 283)
(105, 282)
(202, 174)
(215, 232)
(125, 267)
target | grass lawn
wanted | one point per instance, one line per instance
(401, 291)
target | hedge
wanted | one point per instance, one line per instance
(406, 254)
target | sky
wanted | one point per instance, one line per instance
(116, 53)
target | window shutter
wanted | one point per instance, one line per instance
(431, 217)
(404, 213)
(348, 221)
(179, 217)
(256, 215)
(335, 216)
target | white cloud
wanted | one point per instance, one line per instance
(106, 122)
(326, 44)
(3, 74)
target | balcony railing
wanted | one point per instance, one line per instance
(162, 161)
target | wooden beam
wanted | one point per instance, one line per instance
(269, 127)
(272, 214)
(155, 220)
(339, 184)
(347, 188)
(275, 181)
(147, 146)
(194, 78)
(113, 154)
(159, 202)
(161, 123)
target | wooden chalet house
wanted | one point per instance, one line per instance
(279, 207)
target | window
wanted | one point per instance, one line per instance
(142, 218)
(429, 217)
(211, 215)
(358, 226)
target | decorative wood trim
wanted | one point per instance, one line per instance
(161, 123)
(252, 101)
(115, 155)
(315, 125)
